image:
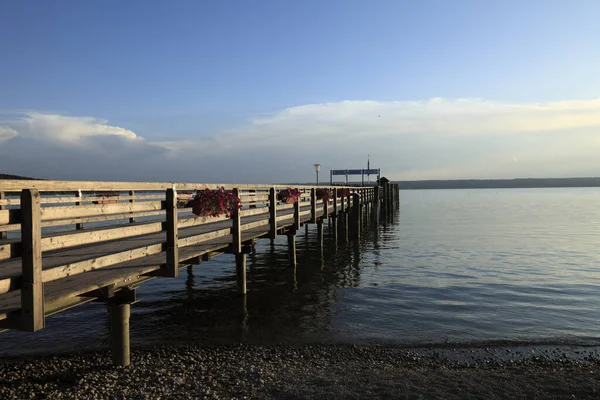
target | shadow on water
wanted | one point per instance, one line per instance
(283, 304)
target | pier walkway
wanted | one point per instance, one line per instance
(63, 244)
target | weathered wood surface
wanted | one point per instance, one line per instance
(93, 186)
(146, 236)
(122, 263)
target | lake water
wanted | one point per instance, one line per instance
(517, 266)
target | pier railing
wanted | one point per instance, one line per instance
(65, 243)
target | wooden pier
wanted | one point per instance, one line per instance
(62, 245)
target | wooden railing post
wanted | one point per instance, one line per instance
(335, 199)
(79, 226)
(172, 234)
(272, 213)
(3, 234)
(334, 219)
(313, 205)
(297, 215)
(356, 214)
(240, 258)
(131, 194)
(32, 286)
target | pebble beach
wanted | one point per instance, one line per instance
(307, 372)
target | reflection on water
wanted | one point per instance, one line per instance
(457, 266)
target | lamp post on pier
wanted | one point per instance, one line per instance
(317, 168)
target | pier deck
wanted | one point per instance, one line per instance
(62, 244)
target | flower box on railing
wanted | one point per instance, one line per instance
(289, 195)
(213, 203)
(107, 198)
(323, 194)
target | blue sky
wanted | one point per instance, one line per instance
(261, 86)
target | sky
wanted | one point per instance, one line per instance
(259, 91)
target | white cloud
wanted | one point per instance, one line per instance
(7, 133)
(437, 138)
(63, 128)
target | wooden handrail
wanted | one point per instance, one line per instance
(16, 185)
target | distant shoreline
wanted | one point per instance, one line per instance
(519, 183)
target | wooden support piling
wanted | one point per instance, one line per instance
(119, 332)
(297, 215)
(240, 259)
(240, 271)
(272, 214)
(320, 233)
(32, 286)
(291, 239)
(172, 266)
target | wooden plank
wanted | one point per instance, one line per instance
(194, 220)
(10, 217)
(191, 240)
(254, 211)
(17, 185)
(75, 268)
(284, 207)
(32, 286)
(99, 235)
(285, 217)
(255, 224)
(8, 202)
(9, 248)
(254, 198)
(236, 230)
(71, 221)
(62, 212)
(172, 267)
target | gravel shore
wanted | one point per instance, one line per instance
(309, 371)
